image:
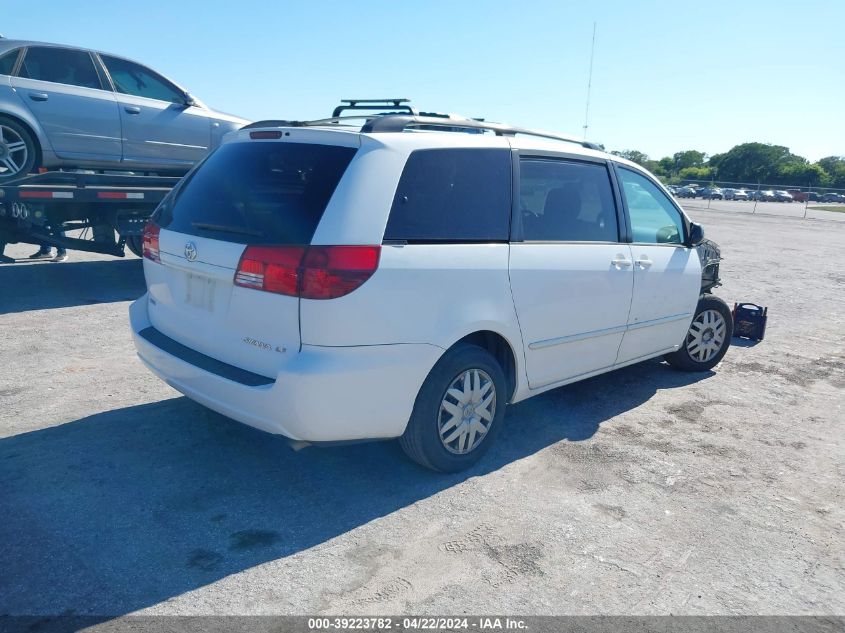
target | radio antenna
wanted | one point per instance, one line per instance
(589, 83)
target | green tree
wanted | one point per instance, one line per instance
(633, 155)
(696, 173)
(655, 168)
(688, 158)
(667, 165)
(834, 167)
(754, 162)
(802, 175)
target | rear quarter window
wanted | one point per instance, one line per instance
(7, 61)
(257, 192)
(452, 195)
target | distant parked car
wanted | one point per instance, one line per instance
(815, 196)
(832, 197)
(72, 107)
(783, 196)
(767, 195)
(711, 193)
(735, 194)
(798, 195)
(685, 192)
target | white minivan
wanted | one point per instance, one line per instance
(410, 278)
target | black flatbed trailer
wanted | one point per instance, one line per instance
(108, 210)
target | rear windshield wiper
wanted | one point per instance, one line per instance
(222, 228)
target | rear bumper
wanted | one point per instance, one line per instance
(323, 394)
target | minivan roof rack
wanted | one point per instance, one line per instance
(336, 120)
(375, 123)
(400, 122)
(400, 105)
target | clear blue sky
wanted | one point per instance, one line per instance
(667, 76)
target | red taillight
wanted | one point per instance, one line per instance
(270, 268)
(314, 272)
(333, 271)
(151, 251)
(265, 134)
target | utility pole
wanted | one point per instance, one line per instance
(589, 83)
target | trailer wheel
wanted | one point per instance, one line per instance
(17, 150)
(136, 245)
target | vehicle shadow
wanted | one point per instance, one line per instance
(124, 509)
(40, 286)
(743, 342)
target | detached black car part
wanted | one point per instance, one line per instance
(750, 321)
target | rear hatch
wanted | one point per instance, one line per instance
(248, 192)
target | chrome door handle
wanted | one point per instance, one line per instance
(644, 262)
(620, 262)
(39, 96)
(132, 109)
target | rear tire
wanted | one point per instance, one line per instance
(135, 243)
(459, 411)
(17, 150)
(708, 338)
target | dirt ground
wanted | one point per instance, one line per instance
(644, 491)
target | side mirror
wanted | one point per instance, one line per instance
(696, 234)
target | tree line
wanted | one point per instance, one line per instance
(746, 163)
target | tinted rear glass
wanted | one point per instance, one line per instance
(258, 192)
(7, 61)
(61, 66)
(453, 195)
(566, 201)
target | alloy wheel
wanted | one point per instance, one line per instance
(13, 152)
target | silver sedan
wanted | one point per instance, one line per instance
(77, 108)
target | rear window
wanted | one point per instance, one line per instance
(453, 195)
(60, 65)
(7, 61)
(258, 192)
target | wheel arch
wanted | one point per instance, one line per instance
(501, 349)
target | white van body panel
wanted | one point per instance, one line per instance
(351, 367)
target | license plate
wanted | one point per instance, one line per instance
(199, 292)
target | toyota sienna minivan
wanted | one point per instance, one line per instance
(410, 278)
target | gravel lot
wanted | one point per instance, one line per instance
(644, 491)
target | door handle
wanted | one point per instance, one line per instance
(132, 109)
(39, 96)
(644, 262)
(620, 262)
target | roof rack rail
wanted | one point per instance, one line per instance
(313, 123)
(400, 122)
(400, 105)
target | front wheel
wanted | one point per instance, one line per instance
(458, 411)
(708, 338)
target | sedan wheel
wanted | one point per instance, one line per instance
(17, 150)
(14, 153)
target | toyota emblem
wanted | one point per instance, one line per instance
(190, 251)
